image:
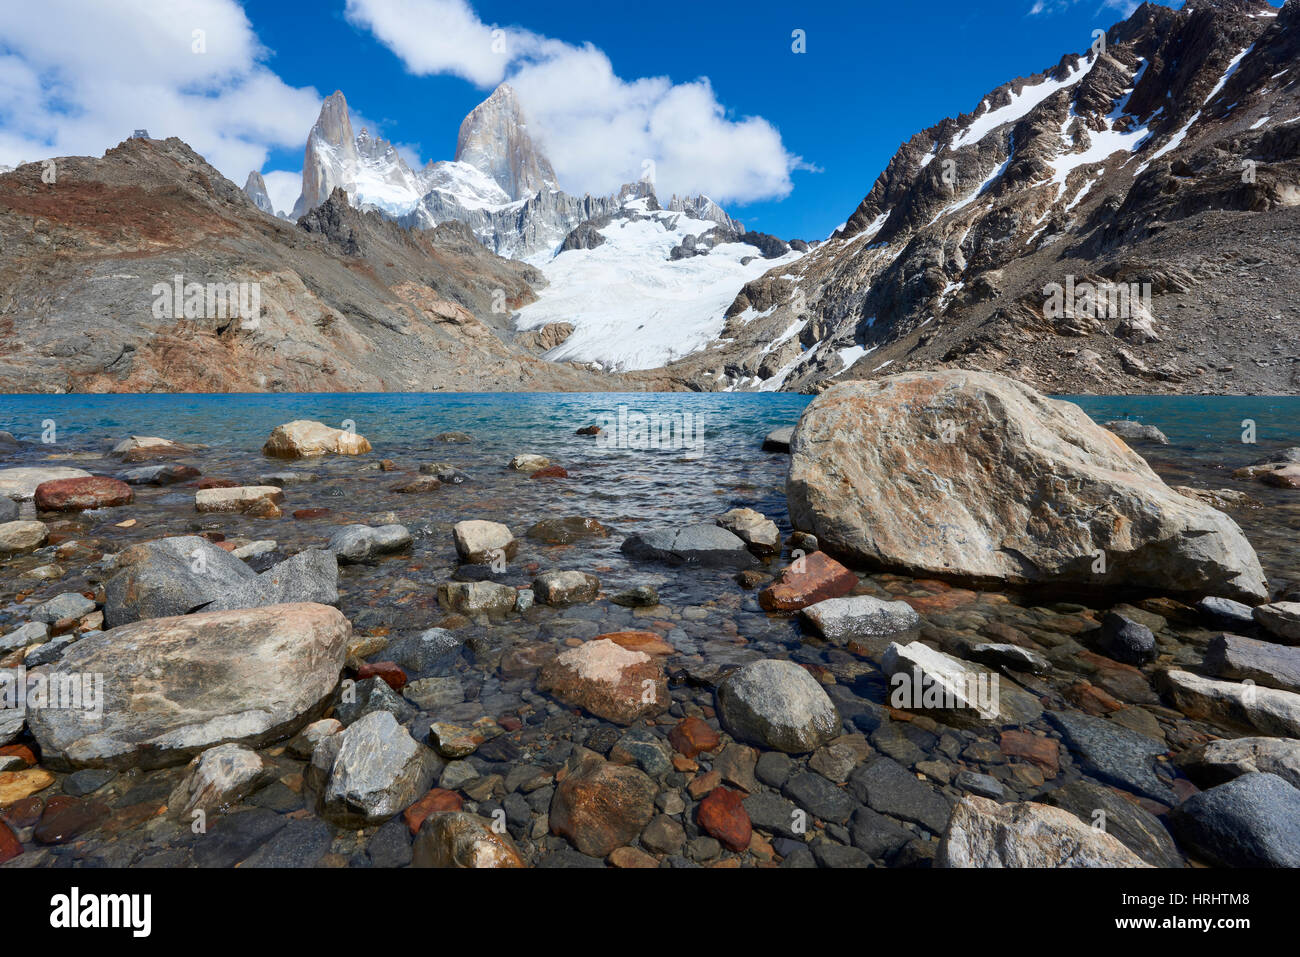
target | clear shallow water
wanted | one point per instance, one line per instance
(704, 615)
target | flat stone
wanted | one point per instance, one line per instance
(1281, 619)
(840, 620)
(81, 494)
(701, 544)
(1250, 707)
(357, 544)
(483, 543)
(607, 680)
(20, 484)
(1114, 754)
(67, 605)
(240, 498)
(1263, 662)
(808, 580)
(886, 786)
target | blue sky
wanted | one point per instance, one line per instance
(712, 91)
(874, 73)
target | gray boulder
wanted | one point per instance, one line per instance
(170, 576)
(174, 687)
(1217, 762)
(68, 605)
(840, 619)
(378, 770)
(1263, 662)
(1253, 821)
(983, 833)
(310, 576)
(1281, 619)
(355, 544)
(777, 704)
(1136, 431)
(701, 544)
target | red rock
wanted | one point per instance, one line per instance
(9, 845)
(65, 818)
(811, 579)
(1088, 697)
(217, 483)
(19, 751)
(510, 722)
(551, 471)
(24, 813)
(311, 513)
(692, 735)
(392, 674)
(1043, 753)
(649, 642)
(435, 802)
(722, 816)
(77, 494)
(704, 783)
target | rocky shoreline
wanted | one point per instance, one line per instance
(315, 655)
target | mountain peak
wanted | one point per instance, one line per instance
(255, 189)
(494, 139)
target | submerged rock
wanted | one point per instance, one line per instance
(701, 544)
(471, 598)
(600, 806)
(458, 839)
(355, 544)
(174, 687)
(983, 833)
(565, 531)
(978, 476)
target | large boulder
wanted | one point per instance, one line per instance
(303, 438)
(777, 704)
(977, 476)
(174, 687)
(983, 833)
(175, 576)
(170, 576)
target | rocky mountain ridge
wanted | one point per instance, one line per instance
(1163, 161)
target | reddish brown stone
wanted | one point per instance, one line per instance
(19, 751)
(24, 813)
(607, 680)
(66, 818)
(303, 513)
(600, 806)
(9, 845)
(77, 494)
(722, 816)
(649, 642)
(691, 736)
(1088, 697)
(217, 483)
(811, 579)
(631, 857)
(435, 802)
(1043, 753)
(390, 671)
(551, 471)
(704, 783)
(510, 722)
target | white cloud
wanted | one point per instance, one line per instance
(77, 78)
(283, 187)
(598, 130)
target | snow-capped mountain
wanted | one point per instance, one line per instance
(643, 286)
(630, 285)
(1166, 160)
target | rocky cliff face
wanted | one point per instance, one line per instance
(494, 139)
(255, 189)
(1125, 221)
(146, 270)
